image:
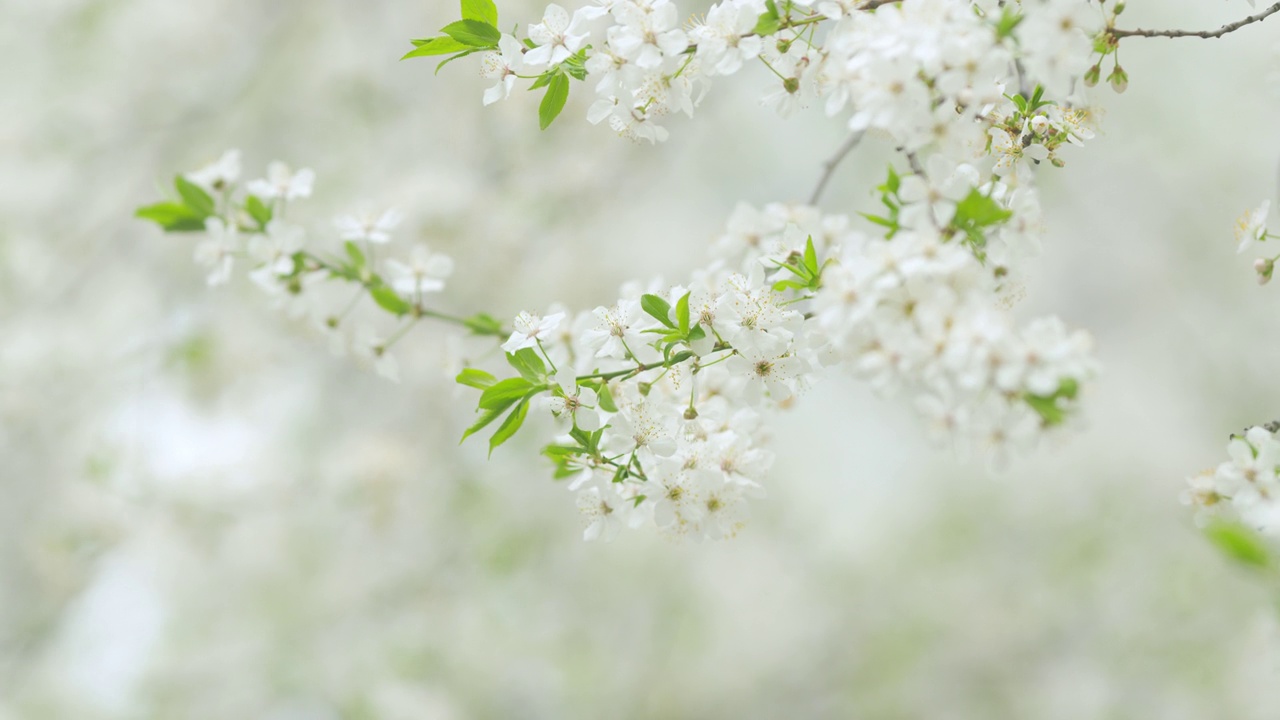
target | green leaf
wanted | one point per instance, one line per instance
(484, 11)
(435, 46)
(1047, 408)
(353, 252)
(451, 58)
(529, 364)
(544, 79)
(483, 324)
(509, 426)
(194, 196)
(980, 211)
(811, 257)
(476, 378)
(658, 308)
(1239, 543)
(473, 33)
(172, 217)
(258, 210)
(605, 398)
(502, 391)
(388, 300)
(553, 102)
(892, 183)
(682, 314)
(484, 420)
(1009, 20)
(769, 21)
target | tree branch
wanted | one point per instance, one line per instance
(829, 167)
(1198, 33)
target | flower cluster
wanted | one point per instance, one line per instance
(927, 72)
(661, 395)
(249, 228)
(1246, 486)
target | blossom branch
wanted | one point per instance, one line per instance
(1229, 28)
(639, 368)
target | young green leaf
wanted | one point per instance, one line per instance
(451, 58)
(476, 378)
(529, 364)
(488, 417)
(504, 391)
(258, 210)
(436, 46)
(769, 21)
(482, 324)
(484, 11)
(509, 426)
(544, 79)
(553, 102)
(682, 314)
(1239, 543)
(978, 210)
(605, 398)
(811, 257)
(172, 217)
(388, 300)
(473, 33)
(658, 309)
(353, 252)
(194, 196)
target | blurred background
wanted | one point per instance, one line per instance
(203, 514)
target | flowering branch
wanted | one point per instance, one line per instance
(1225, 29)
(660, 399)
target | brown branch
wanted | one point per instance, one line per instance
(829, 167)
(1198, 33)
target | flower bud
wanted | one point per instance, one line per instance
(1040, 125)
(1091, 77)
(1119, 7)
(1264, 267)
(1119, 79)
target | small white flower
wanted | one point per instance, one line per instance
(220, 174)
(605, 510)
(530, 328)
(274, 249)
(425, 272)
(579, 403)
(502, 66)
(617, 331)
(217, 252)
(282, 183)
(557, 37)
(767, 366)
(372, 349)
(368, 226)
(637, 430)
(1251, 228)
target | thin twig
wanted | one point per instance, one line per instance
(829, 167)
(1199, 33)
